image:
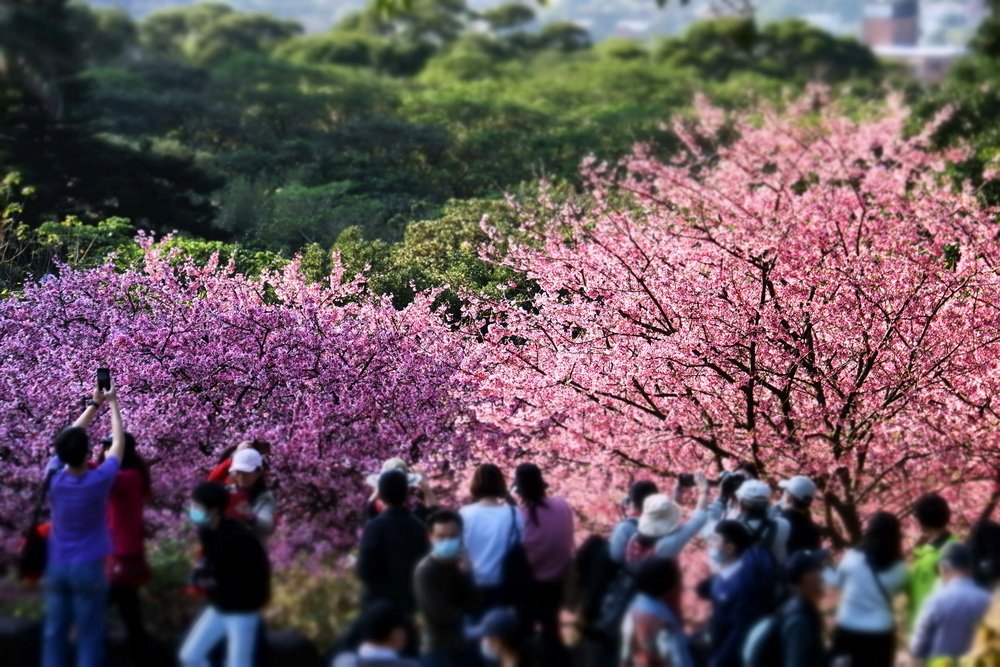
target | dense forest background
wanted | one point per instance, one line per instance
(386, 138)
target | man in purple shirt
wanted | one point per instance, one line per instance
(949, 616)
(76, 591)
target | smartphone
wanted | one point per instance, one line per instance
(685, 479)
(104, 379)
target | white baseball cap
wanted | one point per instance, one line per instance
(246, 460)
(799, 486)
(754, 492)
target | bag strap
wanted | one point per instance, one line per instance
(878, 582)
(514, 535)
(36, 511)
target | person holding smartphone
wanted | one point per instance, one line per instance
(76, 588)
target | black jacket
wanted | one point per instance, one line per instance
(802, 635)
(234, 572)
(391, 546)
(804, 535)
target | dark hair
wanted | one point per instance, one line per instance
(211, 495)
(393, 488)
(132, 460)
(755, 511)
(379, 620)
(932, 511)
(641, 490)
(72, 446)
(735, 533)
(748, 469)
(656, 576)
(731, 483)
(801, 504)
(882, 542)
(984, 540)
(444, 516)
(531, 487)
(488, 482)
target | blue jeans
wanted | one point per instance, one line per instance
(75, 595)
(238, 629)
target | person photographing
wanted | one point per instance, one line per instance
(76, 587)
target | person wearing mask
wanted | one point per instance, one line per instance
(933, 515)
(127, 567)
(801, 633)
(548, 543)
(502, 640)
(796, 507)
(392, 545)
(444, 593)
(628, 526)
(384, 631)
(735, 591)
(653, 633)
(948, 619)
(754, 497)
(422, 500)
(661, 532)
(868, 578)
(490, 527)
(235, 575)
(76, 586)
(251, 502)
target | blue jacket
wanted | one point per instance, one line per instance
(738, 602)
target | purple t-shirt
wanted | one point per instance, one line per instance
(549, 543)
(79, 509)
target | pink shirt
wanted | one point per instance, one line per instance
(549, 543)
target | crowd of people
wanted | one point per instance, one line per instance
(507, 580)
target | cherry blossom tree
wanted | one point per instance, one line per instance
(204, 357)
(812, 296)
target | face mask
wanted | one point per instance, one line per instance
(487, 652)
(448, 549)
(198, 516)
(716, 557)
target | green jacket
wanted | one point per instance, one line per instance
(923, 575)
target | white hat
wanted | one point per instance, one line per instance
(800, 487)
(246, 460)
(660, 516)
(754, 492)
(412, 478)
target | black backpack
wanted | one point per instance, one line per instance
(768, 573)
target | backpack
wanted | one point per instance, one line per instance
(762, 647)
(767, 573)
(622, 589)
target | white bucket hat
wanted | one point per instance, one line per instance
(754, 492)
(412, 478)
(660, 516)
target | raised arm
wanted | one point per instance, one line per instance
(83, 421)
(117, 430)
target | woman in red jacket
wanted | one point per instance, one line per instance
(127, 567)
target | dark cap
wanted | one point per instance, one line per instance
(639, 491)
(501, 623)
(802, 563)
(958, 556)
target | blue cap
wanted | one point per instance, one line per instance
(496, 623)
(802, 562)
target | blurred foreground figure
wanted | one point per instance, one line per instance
(948, 619)
(234, 574)
(76, 588)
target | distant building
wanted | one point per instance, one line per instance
(891, 23)
(928, 63)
